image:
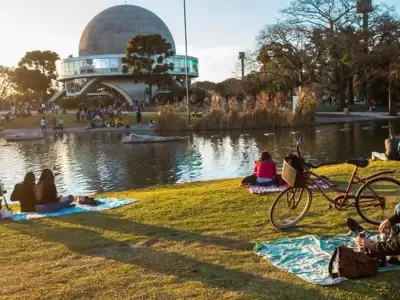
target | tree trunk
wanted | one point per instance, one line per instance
(350, 90)
(392, 105)
(150, 93)
(342, 89)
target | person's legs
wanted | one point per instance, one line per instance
(54, 207)
(378, 156)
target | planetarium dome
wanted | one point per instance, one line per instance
(108, 32)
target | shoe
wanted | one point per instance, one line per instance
(393, 260)
(354, 226)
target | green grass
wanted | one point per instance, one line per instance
(190, 241)
(69, 121)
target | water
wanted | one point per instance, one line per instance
(97, 162)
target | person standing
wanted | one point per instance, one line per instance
(43, 123)
(61, 124)
(138, 116)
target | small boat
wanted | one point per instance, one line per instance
(269, 133)
(143, 138)
(24, 137)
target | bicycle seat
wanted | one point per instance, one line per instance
(360, 162)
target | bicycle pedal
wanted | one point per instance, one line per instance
(330, 207)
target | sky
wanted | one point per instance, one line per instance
(217, 29)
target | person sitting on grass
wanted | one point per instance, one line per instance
(392, 148)
(47, 197)
(265, 170)
(385, 246)
(24, 193)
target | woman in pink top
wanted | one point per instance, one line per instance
(265, 170)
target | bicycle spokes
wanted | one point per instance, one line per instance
(378, 199)
(293, 198)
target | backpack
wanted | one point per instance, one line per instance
(352, 264)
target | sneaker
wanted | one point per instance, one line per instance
(354, 226)
(393, 260)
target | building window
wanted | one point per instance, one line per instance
(97, 65)
(114, 64)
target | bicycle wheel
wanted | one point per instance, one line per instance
(290, 207)
(377, 198)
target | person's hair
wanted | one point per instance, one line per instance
(29, 178)
(47, 176)
(265, 156)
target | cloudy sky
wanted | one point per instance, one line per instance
(217, 29)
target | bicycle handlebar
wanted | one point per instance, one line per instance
(308, 164)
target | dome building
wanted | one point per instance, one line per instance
(98, 68)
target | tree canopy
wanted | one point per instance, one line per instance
(144, 60)
(36, 72)
(333, 43)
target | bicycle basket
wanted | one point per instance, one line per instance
(294, 176)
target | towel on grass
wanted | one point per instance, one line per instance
(255, 189)
(308, 256)
(105, 204)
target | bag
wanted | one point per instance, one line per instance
(352, 264)
(85, 200)
(249, 180)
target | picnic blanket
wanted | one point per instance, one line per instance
(308, 256)
(255, 189)
(105, 204)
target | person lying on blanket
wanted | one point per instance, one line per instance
(387, 244)
(265, 170)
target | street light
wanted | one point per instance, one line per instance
(186, 61)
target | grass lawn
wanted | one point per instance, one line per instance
(69, 121)
(192, 241)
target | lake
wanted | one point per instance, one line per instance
(98, 162)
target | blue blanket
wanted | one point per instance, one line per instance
(307, 257)
(106, 204)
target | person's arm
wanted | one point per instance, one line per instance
(274, 169)
(255, 168)
(53, 192)
(387, 146)
(390, 247)
(15, 193)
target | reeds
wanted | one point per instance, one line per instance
(172, 117)
(267, 111)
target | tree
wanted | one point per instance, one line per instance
(205, 85)
(144, 59)
(41, 64)
(31, 81)
(6, 84)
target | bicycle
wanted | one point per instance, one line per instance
(301, 177)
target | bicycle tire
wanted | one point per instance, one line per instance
(301, 216)
(363, 187)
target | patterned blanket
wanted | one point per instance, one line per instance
(259, 190)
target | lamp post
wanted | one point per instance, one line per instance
(186, 62)
(242, 57)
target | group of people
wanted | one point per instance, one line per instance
(39, 197)
(57, 124)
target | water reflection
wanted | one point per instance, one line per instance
(96, 162)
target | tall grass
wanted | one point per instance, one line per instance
(172, 117)
(305, 112)
(266, 111)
